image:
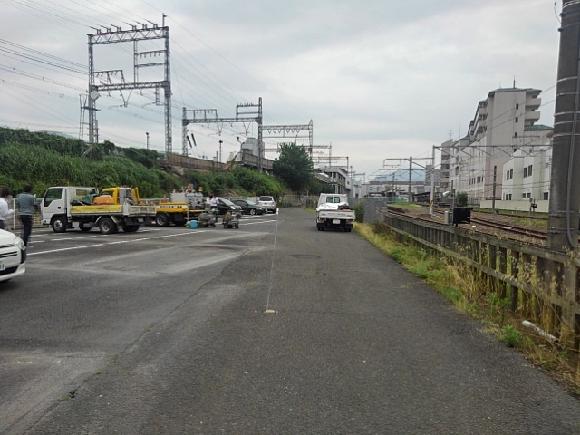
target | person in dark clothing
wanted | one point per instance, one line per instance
(25, 202)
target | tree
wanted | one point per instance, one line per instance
(294, 167)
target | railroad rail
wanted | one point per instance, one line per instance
(510, 231)
(511, 228)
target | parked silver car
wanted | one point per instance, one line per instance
(267, 203)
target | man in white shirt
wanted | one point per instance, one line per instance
(213, 201)
(5, 211)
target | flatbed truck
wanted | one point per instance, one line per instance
(84, 208)
(333, 211)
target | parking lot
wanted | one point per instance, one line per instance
(87, 296)
(272, 328)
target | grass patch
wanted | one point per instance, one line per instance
(471, 295)
(415, 260)
(510, 336)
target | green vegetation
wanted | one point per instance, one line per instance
(471, 294)
(461, 200)
(44, 168)
(45, 160)
(240, 181)
(510, 336)
(359, 212)
(294, 167)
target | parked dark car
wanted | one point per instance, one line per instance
(225, 205)
(249, 207)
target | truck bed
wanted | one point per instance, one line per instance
(335, 214)
(109, 210)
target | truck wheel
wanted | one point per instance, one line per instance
(107, 226)
(59, 224)
(162, 220)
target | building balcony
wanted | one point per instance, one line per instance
(532, 116)
(532, 103)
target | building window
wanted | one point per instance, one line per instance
(517, 107)
(528, 171)
(508, 196)
(510, 174)
(546, 195)
(516, 120)
(516, 134)
(525, 172)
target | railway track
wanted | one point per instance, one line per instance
(510, 228)
(516, 231)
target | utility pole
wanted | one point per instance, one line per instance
(220, 150)
(410, 177)
(147, 134)
(565, 178)
(494, 188)
(432, 193)
(392, 187)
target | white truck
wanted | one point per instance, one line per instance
(77, 207)
(333, 211)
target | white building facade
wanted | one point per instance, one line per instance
(503, 123)
(526, 176)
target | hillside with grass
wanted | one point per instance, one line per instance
(44, 160)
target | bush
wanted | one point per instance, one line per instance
(511, 336)
(359, 213)
(461, 200)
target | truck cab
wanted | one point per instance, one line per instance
(57, 202)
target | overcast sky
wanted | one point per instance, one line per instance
(380, 79)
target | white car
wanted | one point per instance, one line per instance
(267, 203)
(12, 256)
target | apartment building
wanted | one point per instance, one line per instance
(503, 123)
(527, 175)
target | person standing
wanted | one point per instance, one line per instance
(25, 202)
(5, 210)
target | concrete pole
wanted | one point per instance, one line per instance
(494, 188)
(432, 193)
(410, 177)
(147, 134)
(565, 179)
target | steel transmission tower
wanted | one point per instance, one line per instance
(245, 112)
(115, 80)
(290, 131)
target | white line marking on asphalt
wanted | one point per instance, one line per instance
(57, 250)
(117, 242)
(268, 309)
(261, 222)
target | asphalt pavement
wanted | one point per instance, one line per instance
(271, 328)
